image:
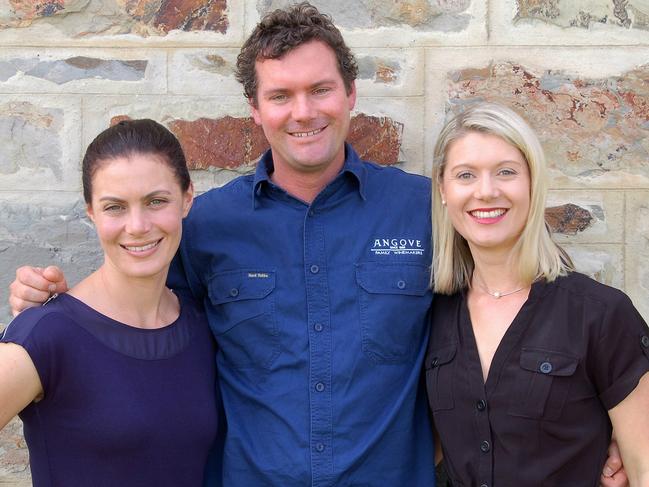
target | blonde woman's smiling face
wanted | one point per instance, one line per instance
(486, 187)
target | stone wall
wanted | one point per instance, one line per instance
(577, 69)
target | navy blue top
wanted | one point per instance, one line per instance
(123, 406)
(320, 313)
(575, 350)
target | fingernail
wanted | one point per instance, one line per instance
(51, 288)
(608, 471)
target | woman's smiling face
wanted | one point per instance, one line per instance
(137, 207)
(486, 186)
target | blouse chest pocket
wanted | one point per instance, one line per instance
(243, 308)
(440, 367)
(394, 301)
(543, 384)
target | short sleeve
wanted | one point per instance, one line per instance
(36, 332)
(621, 355)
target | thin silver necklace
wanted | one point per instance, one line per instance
(497, 294)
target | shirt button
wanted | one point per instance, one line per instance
(314, 269)
(481, 405)
(401, 284)
(485, 446)
(319, 387)
(645, 341)
(234, 292)
(484, 485)
(320, 447)
(545, 367)
(434, 362)
(318, 327)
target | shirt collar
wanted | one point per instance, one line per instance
(353, 166)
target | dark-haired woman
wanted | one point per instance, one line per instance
(113, 378)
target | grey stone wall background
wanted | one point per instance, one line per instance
(577, 69)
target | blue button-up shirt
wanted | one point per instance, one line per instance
(320, 313)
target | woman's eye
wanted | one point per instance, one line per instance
(157, 202)
(507, 172)
(112, 208)
(464, 175)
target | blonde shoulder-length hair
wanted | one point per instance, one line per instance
(537, 255)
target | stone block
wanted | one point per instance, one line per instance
(637, 218)
(91, 22)
(368, 23)
(223, 143)
(637, 275)
(39, 143)
(45, 228)
(592, 119)
(14, 457)
(390, 72)
(574, 22)
(82, 71)
(586, 216)
(390, 116)
(204, 72)
(602, 262)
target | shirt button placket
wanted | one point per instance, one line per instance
(320, 348)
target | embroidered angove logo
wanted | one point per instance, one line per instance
(397, 246)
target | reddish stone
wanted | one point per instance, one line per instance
(568, 219)
(230, 143)
(192, 15)
(30, 9)
(376, 139)
(224, 143)
(385, 74)
(119, 118)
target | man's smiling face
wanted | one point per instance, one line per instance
(304, 109)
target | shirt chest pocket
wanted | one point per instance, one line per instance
(393, 300)
(244, 317)
(440, 368)
(543, 385)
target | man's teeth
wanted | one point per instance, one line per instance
(306, 134)
(488, 214)
(142, 248)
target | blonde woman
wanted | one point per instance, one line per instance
(531, 365)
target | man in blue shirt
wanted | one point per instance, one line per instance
(314, 274)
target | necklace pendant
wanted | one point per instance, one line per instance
(496, 294)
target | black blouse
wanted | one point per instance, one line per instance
(575, 350)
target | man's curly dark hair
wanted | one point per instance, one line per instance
(281, 31)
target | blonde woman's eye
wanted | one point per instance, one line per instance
(157, 202)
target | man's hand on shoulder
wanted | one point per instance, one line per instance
(34, 285)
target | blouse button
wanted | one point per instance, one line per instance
(434, 362)
(545, 368)
(481, 405)
(484, 485)
(645, 341)
(485, 446)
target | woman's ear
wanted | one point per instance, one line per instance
(90, 213)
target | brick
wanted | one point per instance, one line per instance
(583, 14)
(591, 128)
(583, 216)
(376, 139)
(187, 15)
(225, 143)
(568, 219)
(46, 228)
(204, 72)
(39, 143)
(602, 262)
